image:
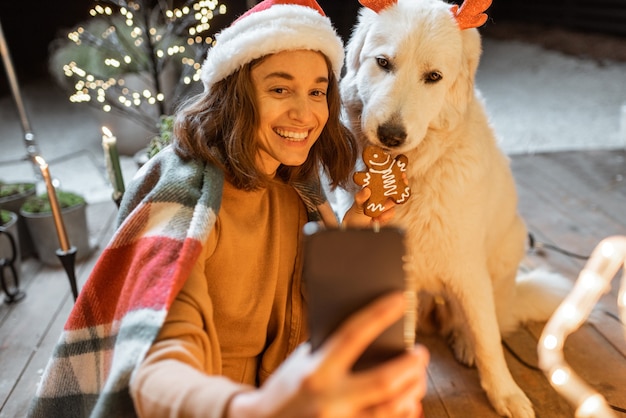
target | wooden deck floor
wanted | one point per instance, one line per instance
(571, 200)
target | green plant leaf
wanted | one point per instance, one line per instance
(41, 203)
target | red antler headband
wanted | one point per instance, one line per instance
(469, 15)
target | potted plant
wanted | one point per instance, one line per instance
(12, 197)
(165, 127)
(40, 222)
(10, 260)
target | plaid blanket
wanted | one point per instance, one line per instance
(165, 217)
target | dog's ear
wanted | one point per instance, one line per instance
(357, 39)
(462, 90)
(472, 49)
(349, 88)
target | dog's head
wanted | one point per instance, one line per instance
(410, 68)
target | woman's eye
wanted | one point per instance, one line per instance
(319, 93)
(433, 77)
(278, 90)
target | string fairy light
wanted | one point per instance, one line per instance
(593, 281)
(133, 38)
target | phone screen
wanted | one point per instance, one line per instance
(346, 269)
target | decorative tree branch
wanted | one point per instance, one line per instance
(146, 39)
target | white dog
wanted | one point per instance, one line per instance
(409, 87)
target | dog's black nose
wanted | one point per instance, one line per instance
(391, 134)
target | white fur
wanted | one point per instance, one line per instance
(464, 235)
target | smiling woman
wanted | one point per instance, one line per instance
(203, 277)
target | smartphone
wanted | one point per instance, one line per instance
(346, 269)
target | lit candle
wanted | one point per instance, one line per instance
(54, 204)
(112, 158)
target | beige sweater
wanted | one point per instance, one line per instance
(239, 314)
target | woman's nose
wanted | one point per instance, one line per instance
(300, 109)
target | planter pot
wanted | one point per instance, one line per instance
(43, 231)
(13, 203)
(10, 259)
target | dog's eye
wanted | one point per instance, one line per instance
(383, 63)
(433, 77)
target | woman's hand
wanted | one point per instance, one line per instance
(321, 384)
(355, 216)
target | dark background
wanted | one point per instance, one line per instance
(30, 26)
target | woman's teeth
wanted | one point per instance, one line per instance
(294, 136)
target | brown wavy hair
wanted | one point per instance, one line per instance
(219, 126)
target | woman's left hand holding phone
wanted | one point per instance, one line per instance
(322, 384)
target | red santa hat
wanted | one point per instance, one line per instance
(272, 26)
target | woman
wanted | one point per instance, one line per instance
(196, 306)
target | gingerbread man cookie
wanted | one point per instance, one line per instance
(384, 178)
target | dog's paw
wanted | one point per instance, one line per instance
(462, 348)
(515, 405)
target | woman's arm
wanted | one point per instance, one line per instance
(180, 373)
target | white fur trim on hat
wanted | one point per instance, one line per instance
(282, 27)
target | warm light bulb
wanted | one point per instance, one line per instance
(590, 406)
(560, 377)
(607, 249)
(550, 342)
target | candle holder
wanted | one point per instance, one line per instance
(68, 260)
(67, 253)
(117, 198)
(7, 265)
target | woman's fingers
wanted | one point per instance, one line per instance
(346, 345)
(398, 383)
(361, 197)
(355, 215)
(388, 214)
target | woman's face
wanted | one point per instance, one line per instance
(291, 91)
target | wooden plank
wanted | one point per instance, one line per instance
(456, 386)
(580, 222)
(16, 405)
(594, 179)
(29, 269)
(29, 321)
(591, 202)
(24, 389)
(434, 406)
(587, 211)
(25, 326)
